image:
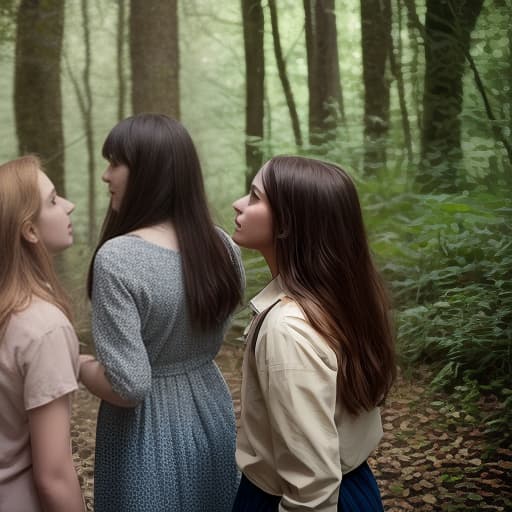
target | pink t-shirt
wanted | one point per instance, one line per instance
(38, 363)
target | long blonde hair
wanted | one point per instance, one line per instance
(26, 269)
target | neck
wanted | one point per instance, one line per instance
(270, 258)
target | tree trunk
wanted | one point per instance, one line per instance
(325, 94)
(253, 22)
(376, 43)
(87, 119)
(37, 96)
(120, 43)
(448, 27)
(416, 31)
(395, 60)
(154, 56)
(283, 76)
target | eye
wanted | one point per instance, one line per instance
(54, 200)
(253, 196)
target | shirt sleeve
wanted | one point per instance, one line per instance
(50, 367)
(301, 404)
(116, 328)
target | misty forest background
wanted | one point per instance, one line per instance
(412, 97)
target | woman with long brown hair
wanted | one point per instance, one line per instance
(39, 359)
(164, 282)
(320, 355)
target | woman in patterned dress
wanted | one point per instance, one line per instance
(164, 282)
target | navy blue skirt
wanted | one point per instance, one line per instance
(358, 493)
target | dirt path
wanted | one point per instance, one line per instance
(431, 458)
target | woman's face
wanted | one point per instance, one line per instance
(53, 226)
(254, 218)
(116, 176)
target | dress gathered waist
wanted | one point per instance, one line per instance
(180, 367)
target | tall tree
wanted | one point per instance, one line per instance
(87, 119)
(395, 60)
(448, 27)
(283, 75)
(37, 96)
(325, 94)
(253, 23)
(154, 54)
(120, 43)
(416, 39)
(83, 94)
(376, 45)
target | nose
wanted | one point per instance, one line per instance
(240, 204)
(105, 175)
(69, 207)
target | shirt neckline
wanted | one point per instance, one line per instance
(268, 296)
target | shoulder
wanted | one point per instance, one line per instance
(228, 241)
(286, 336)
(41, 326)
(116, 246)
(115, 254)
(37, 319)
(234, 252)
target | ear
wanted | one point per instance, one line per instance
(29, 233)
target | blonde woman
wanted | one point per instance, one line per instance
(39, 358)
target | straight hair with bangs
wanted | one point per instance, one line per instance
(325, 264)
(26, 269)
(165, 183)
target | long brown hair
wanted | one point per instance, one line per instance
(26, 268)
(165, 183)
(325, 263)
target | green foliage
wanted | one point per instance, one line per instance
(451, 277)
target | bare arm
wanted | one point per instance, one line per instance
(92, 375)
(54, 473)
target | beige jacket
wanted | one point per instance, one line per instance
(294, 439)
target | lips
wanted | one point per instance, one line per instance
(238, 225)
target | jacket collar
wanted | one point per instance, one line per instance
(270, 294)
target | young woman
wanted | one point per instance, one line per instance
(38, 346)
(319, 357)
(163, 283)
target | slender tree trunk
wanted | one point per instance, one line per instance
(154, 56)
(283, 76)
(415, 31)
(37, 96)
(325, 94)
(88, 125)
(376, 43)
(448, 28)
(395, 60)
(120, 43)
(253, 23)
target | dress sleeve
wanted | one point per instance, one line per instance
(302, 402)
(50, 367)
(116, 328)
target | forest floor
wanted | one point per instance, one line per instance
(432, 456)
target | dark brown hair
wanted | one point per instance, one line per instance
(165, 183)
(325, 264)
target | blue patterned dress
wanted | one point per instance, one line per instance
(174, 451)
